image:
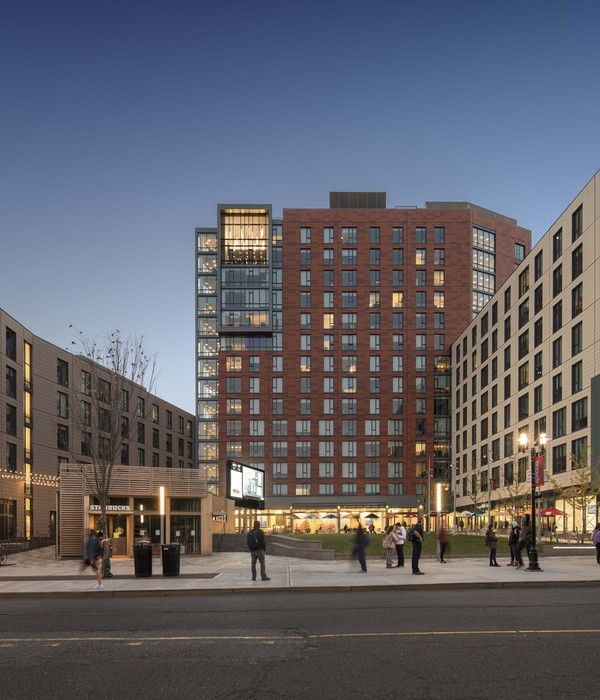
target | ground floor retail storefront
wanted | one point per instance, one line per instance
(156, 505)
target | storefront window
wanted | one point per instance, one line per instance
(185, 530)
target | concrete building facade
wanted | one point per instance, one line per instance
(529, 364)
(44, 389)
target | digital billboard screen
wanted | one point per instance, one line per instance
(245, 485)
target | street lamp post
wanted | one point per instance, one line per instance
(533, 553)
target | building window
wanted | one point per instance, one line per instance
(577, 377)
(305, 234)
(576, 339)
(559, 459)
(577, 223)
(557, 353)
(557, 281)
(557, 247)
(557, 388)
(11, 344)
(579, 414)
(420, 256)
(398, 235)
(577, 300)
(233, 385)
(559, 423)
(11, 419)
(62, 437)
(62, 372)
(519, 251)
(524, 282)
(577, 262)
(557, 317)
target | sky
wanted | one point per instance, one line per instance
(123, 124)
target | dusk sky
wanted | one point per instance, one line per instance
(123, 124)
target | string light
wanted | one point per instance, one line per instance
(35, 479)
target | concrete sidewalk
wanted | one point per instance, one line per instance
(38, 573)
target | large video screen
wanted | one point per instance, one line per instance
(245, 485)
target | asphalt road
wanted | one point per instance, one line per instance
(533, 643)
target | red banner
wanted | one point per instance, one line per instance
(539, 470)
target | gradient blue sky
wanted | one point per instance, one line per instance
(123, 124)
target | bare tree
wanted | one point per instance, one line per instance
(518, 494)
(116, 377)
(583, 485)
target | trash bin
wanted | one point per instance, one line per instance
(170, 559)
(142, 559)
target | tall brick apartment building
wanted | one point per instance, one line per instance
(324, 345)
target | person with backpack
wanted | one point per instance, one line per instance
(416, 537)
(257, 547)
(491, 541)
(390, 540)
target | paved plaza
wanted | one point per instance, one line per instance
(39, 573)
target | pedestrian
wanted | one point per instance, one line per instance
(513, 543)
(361, 542)
(106, 548)
(596, 541)
(461, 524)
(257, 547)
(93, 557)
(443, 540)
(553, 534)
(491, 541)
(525, 537)
(390, 539)
(401, 535)
(417, 543)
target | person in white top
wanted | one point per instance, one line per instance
(401, 535)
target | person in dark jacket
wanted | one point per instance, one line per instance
(513, 542)
(525, 537)
(361, 542)
(417, 543)
(257, 552)
(491, 540)
(93, 557)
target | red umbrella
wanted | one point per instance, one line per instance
(549, 512)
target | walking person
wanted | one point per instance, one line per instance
(513, 543)
(596, 541)
(105, 546)
(361, 542)
(93, 557)
(389, 542)
(491, 541)
(257, 547)
(401, 535)
(443, 540)
(417, 543)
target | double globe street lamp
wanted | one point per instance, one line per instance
(537, 464)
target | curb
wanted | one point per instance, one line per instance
(300, 589)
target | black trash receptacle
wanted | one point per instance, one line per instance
(142, 559)
(170, 559)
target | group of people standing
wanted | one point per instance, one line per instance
(394, 539)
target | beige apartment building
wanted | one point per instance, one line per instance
(43, 395)
(529, 365)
